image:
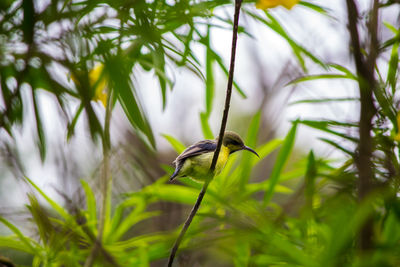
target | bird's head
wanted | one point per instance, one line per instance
(235, 143)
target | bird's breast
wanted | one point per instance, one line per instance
(222, 159)
(198, 166)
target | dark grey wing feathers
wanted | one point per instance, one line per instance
(194, 150)
(197, 149)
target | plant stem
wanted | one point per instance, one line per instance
(367, 85)
(203, 191)
(105, 183)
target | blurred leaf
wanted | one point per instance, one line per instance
(251, 141)
(297, 49)
(71, 126)
(39, 127)
(336, 145)
(393, 65)
(242, 254)
(386, 104)
(61, 211)
(266, 149)
(280, 162)
(218, 59)
(12, 242)
(209, 75)
(343, 69)
(319, 77)
(41, 220)
(133, 218)
(27, 245)
(178, 146)
(205, 126)
(323, 100)
(91, 204)
(309, 178)
(253, 188)
(159, 67)
(139, 241)
(324, 126)
(172, 193)
(343, 235)
(29, 21)
(320, 9)
(391, 27)
(124, 90)
(193, 61)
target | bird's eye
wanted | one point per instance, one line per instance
(235, 143)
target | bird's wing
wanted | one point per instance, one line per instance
(197, 149)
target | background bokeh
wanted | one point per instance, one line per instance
(73, 37)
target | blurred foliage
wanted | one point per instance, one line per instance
(306, 213)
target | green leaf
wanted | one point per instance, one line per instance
(12, 242)
(138, 241)
(344, 70)
(336, 145)
(178, 146)
(342, 236)
(280, 162)
(205, 126)
(124, 89)
(243, 253)
(387, 105)
(60, 210)
(323, 100)
(391, 27)
(309, 178)
(159, 67)
(291, 251)
(297, 49)
(324, 126)
(393, 65)
(28, 23)
(172, 193)
(135, 201)
(266, 149)
(218, 59)
(90, 203)
(319, 77)
(252, 188)
(26, 241)
(71, 126)
(39, 127)
(133, 218)
(40, 219)
(251, 141)
(318, 8)
(209, 75)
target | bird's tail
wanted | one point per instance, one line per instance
(173, 176)
(176, 172)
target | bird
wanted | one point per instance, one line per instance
(195, 161)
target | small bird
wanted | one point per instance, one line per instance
(195, 161)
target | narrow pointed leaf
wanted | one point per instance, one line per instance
(280, 162)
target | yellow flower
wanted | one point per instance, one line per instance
(99, 81)
(397, 136)
(264, 4)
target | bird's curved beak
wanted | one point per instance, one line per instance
(251, 150)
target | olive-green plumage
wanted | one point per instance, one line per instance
(195, 161)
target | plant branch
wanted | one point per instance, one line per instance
(203, 191)
(367, 85)
(106, 183)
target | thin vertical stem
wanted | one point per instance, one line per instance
(203, 191)
(105, 183)
(367, 85)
